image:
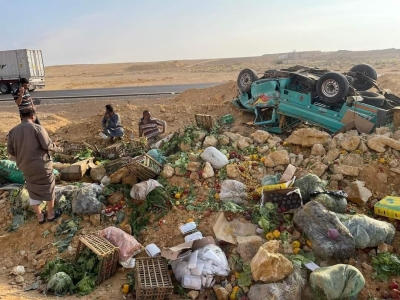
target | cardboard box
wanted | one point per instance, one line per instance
(351, 119)
(76, 170)
(288, 174)
(230, 231)
(173, 253)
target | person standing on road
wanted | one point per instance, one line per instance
(22, 97)
(112, 124)
(148, 127)
(30, 144)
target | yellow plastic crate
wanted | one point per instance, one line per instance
(388, 207)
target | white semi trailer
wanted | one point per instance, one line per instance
(16, 64)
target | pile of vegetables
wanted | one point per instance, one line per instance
(65, 277)
(385, 265)
(66, 230)
(155, 205)
(3, 152)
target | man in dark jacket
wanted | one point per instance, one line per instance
(112, 124)
(23, 99)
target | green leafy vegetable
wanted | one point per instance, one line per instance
(61, 284)
(86, 285)
(385, 265)
(301, 258)
(245, 278)
(231, 207)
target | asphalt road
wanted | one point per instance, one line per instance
(120, 91)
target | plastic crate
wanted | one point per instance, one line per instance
(152, 279)
(388, 207)
(289, 198)
(106, 252)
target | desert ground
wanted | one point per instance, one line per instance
(78, 121)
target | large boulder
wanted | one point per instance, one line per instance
(248, 247)
(277, 158)
(353, 160)
(379, 142)
(97, 174)
(307, 137)
(319, 169)
(346, 170)
(331, 155)
(85, 202)
(168, 171)
(318, 150)
(268, 265)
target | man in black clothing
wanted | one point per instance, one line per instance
(22, 97)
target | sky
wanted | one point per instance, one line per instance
(104, 31)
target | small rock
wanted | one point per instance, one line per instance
(318, 150)
(277, 158)
(260, 136)
(372, 253)
(352, 262)
(248, 247)
(130, 180)
(9, 264)
(168, 171)
(210, 141)
(223, 140)
(379, 142)
(95, 220)
(40, 264)
(383, 248)
(53, 228)
(194, 176)
(193, 166)
(199, 135)
(193, 294)
(97, 174)
(208, 171)
(115, 198)
(229, 288)
(350, 143)
(243, 143)
(319, 169)
(232, 171)
(337, 177)
(263, 150)
(353, 160)
(34, 262)
(184, 147)
(366, 266)
(299, 160)
(19, 279)
(86, 218)
(358, 193)
(393, 163)
(347, 170)
(363, 147)
(216, 287)
(222, 294)
(382, 177)
(117, 176)
(307, 137)
(245, 290)
(333, 184)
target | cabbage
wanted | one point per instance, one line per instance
(61, 284)
(86, 285)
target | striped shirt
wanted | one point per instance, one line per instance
(150, 128)
(26, 99)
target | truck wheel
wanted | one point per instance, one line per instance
(367, 70)
(245, 79)
(371, 98)
(14, 86)
(332, 87)
(5, 88)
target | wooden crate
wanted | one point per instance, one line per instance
(144, 167)
(204, 121)
(115, 165)
(106, 252)
(152, 279)
(113, 152)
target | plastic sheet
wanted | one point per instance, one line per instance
(337, 282)
(127, 244)
(216, 158)
(368, 232)
(140, 190)
(315, 221)
(233, 191)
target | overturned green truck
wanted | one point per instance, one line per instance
(281, 99)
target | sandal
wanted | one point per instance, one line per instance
(57, 214)
(44, 218)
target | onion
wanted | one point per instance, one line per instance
(393, 285)
(333, 234)
(385, 294)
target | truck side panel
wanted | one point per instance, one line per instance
(9, 67)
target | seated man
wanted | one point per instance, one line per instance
(148, 127)
(112, 124)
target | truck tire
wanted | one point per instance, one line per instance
(359, 84)
(332, 87)
(14, 86)
(245, 79)
(371, 98)
(5, 88)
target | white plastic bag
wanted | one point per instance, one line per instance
(191, 282)
(233, 191)
(180, 269)
(140, 190)
(215, 157)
